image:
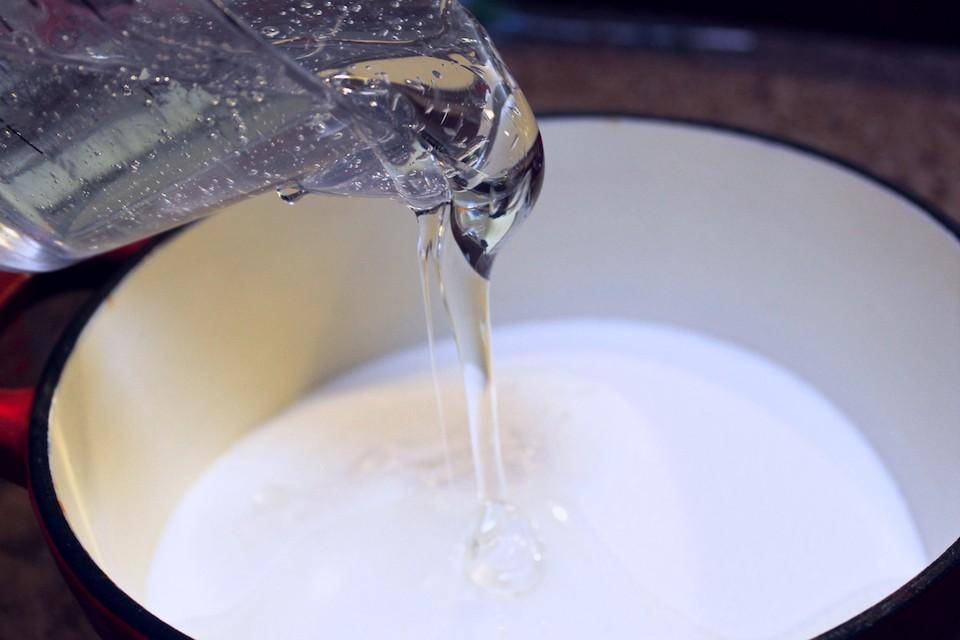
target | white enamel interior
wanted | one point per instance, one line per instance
(846, 283)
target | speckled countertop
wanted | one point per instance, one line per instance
(894, 110)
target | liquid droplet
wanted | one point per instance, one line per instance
(505, 557)
(270, 31)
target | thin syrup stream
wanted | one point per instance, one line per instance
(466, 297)
(430, 227)
(504, 554)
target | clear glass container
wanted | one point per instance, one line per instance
(119, 120)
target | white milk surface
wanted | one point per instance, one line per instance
(681, 488)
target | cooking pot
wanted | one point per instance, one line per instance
(202, 335)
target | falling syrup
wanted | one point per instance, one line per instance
(504, 555)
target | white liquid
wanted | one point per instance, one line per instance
(682, 488)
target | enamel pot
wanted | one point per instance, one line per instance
(197, 338)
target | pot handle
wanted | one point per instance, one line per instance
(14, 405)
(33, 313)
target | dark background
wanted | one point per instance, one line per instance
(895, 20)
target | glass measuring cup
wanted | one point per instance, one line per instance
(122, 119)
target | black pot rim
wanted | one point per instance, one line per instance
(111, 596)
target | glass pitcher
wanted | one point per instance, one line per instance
(123, 118)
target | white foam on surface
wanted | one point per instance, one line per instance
(681, 487)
